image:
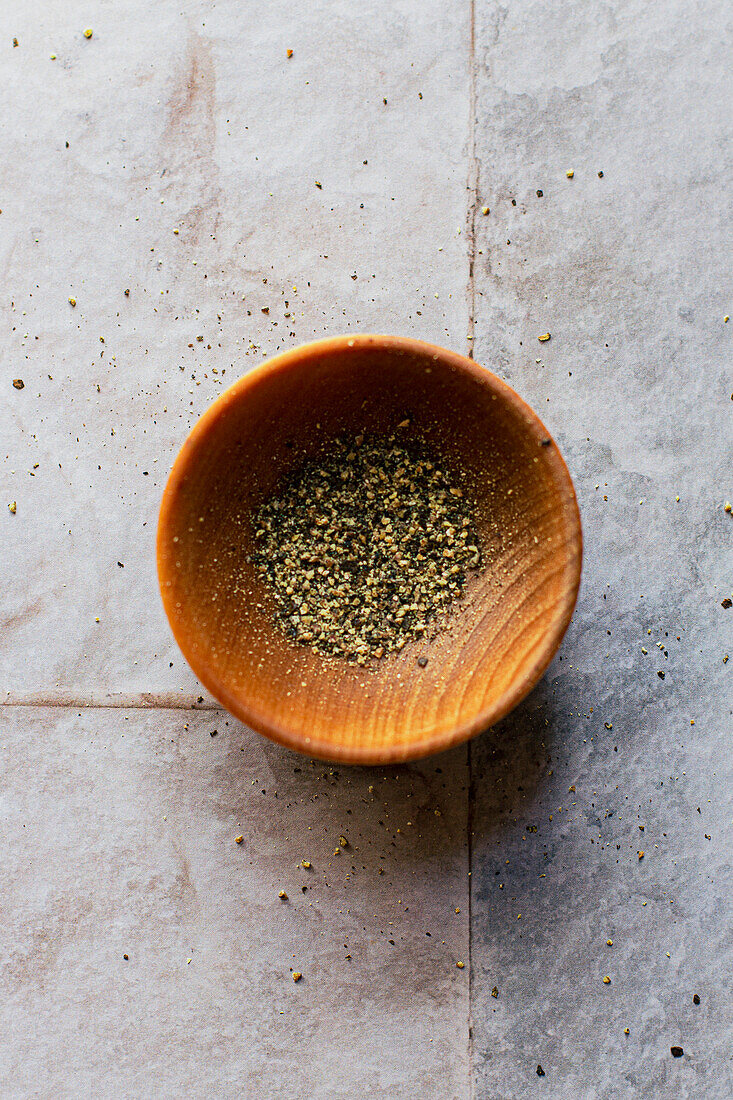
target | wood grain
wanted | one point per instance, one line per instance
(499, 639)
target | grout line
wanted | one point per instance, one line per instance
(146, 700)
(473, 194)
(469, 829)
(472, 183)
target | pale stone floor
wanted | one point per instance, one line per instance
(119, 807)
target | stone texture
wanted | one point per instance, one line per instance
(120, 829)
(196, 122)
(630, 273)
(120, 821)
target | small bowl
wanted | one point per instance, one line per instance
(500, 637)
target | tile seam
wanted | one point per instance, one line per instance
(473, 191)
(133, 701)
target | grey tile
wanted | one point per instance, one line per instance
(120, 823)
(120, 830)
(200, 124)
(630, 273)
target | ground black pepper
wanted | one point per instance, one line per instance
(367, 547)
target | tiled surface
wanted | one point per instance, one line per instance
(630, 273)
(120, 830)
(201, 124)
(120, 821)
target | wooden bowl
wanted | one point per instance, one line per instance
(501, 636)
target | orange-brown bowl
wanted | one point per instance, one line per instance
(501, 636)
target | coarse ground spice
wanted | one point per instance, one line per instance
(366, 547)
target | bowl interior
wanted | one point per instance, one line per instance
(501, 635)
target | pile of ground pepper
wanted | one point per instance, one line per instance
(366, 547)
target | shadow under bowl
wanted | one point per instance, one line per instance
(499, 638)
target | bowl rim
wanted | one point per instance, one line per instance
(247, 712)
